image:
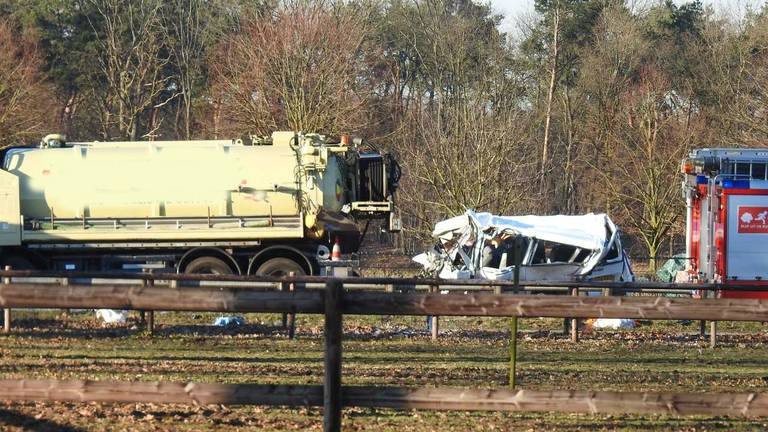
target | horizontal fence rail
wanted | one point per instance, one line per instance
(193, 299)
(434, 398)
(555, 306)
(226, 299)
(384, 281)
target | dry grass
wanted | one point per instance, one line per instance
(663, 356)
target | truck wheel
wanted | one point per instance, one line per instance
(280, 267)
(208, 265)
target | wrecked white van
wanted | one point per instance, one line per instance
(554, 248)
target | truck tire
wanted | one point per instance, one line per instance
(280, 267)
(208, 265)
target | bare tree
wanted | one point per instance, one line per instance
(463, 134)
(641, 175)
(474, 163)
(28, 107)
(748, 109)
(613, 61)
(554, 53)
(132, 63)
(188, 26)
(296, 69)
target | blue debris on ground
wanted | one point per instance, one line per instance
(229, 321)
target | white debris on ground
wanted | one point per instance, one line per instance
(229, 321)
(110, 316)
(612, 323)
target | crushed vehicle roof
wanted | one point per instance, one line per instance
(585, 231)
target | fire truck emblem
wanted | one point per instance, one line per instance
(753, 220)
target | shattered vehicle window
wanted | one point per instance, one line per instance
(502, 255)
(613, 252)
(458, 261)
(557, 253)
(459, 247)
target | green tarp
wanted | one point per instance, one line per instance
(670, 268)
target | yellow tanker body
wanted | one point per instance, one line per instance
(164, 179)
(292, 188)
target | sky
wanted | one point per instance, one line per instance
(517, 9)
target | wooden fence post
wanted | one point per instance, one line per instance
(291, 317)
(713, 325)
(574, 321)
(149, 316)
(7, 310)
(332, 378)
(435, 320)
(143, 314)
(65, 282)
(284, 320)
(517, 257)
(512, 352)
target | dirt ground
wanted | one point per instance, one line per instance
(472, 352)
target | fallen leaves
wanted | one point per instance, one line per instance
(396, 351)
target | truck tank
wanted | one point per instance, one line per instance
(73, 186)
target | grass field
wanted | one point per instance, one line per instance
(660, 356)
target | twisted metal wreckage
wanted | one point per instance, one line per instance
(482, 246)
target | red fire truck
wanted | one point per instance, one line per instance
(726, 193)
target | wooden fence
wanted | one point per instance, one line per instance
(335, 302)
(433, 398)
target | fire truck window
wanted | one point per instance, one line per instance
(758, 171)
(742, 168)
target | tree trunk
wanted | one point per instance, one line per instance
(187, 114)
(133, 131)
(67, 114)
(568, 178)
(653, 252)
(550, 95)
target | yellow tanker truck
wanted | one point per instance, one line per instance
(257, 205)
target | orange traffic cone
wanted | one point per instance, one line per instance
(336, 251)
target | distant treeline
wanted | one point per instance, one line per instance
(586, 106)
